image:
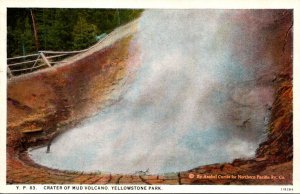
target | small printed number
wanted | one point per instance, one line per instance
(286, 189)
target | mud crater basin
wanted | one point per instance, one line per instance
(155, 138)
(195, 101)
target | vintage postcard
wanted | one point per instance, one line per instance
(144, 97)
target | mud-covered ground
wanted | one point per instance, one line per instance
(44, 105)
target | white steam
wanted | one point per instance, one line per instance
(192, 103)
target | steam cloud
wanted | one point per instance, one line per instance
(194, 101)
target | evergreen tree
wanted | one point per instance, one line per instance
(61, 29)
(24, 36)
(27, 37)
(84, 34)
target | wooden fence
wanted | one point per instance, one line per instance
(29, 63)
(43, 59)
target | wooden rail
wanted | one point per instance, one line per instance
(43, 59)
(25, 64)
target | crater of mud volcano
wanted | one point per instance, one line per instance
(174, 93)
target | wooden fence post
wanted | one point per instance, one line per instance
(9, 72)
(37, 59)
(45, 59)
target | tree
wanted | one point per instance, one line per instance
(60, 29)
(26, 38)
(35, 30)
(84, 34)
